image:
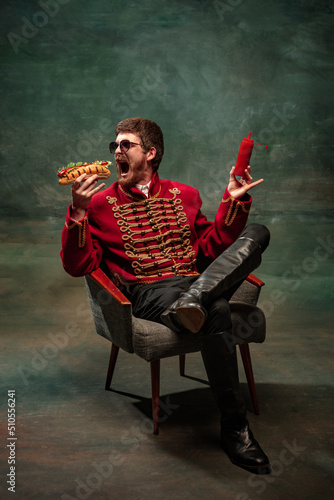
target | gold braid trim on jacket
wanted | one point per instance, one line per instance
(233, 210)
(82, 231)
(156, 236)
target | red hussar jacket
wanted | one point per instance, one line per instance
(142, 239)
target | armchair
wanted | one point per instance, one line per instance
(112, 314)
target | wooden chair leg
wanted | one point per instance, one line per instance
(246, 359)
(112, 363)
(182, 364)
(155, 379)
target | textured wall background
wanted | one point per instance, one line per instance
(208, 72)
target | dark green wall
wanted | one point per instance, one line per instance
(208, 72)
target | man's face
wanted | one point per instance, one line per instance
(132, 166)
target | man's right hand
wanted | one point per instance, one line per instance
(82, 195)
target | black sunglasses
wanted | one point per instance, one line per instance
(124, 145)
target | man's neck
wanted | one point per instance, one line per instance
(146, 179)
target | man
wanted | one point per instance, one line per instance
(150, 234)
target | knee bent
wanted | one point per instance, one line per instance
(258, 233)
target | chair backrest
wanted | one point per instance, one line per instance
(247, 292)
(113, 320)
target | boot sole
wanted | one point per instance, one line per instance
(192, 317)
(263, 469)
(259, 470)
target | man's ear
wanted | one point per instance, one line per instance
(151, 154)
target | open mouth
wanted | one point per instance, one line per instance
(123, 167)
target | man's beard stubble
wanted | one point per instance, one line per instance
(134, 175)
(130, 180)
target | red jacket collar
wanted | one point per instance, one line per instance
(136, 193)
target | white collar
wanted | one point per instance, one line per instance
(144, 188)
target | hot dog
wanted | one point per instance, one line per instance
(68, 174)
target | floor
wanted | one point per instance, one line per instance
(77, 441)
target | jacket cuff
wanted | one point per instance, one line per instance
(235, 206)
(81, 226)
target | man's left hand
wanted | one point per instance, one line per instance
(238, 189)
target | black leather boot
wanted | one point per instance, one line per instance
(237, 439)
(171, 319)
(243, 450)
(230, 268)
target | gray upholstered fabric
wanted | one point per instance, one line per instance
(247, 292)
(112, 319)
(152, 341)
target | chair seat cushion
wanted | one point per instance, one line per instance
(152, 341)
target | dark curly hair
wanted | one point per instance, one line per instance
(149, 132)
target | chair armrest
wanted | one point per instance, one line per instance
(254, 280)
(102, 279)
(112, 311)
